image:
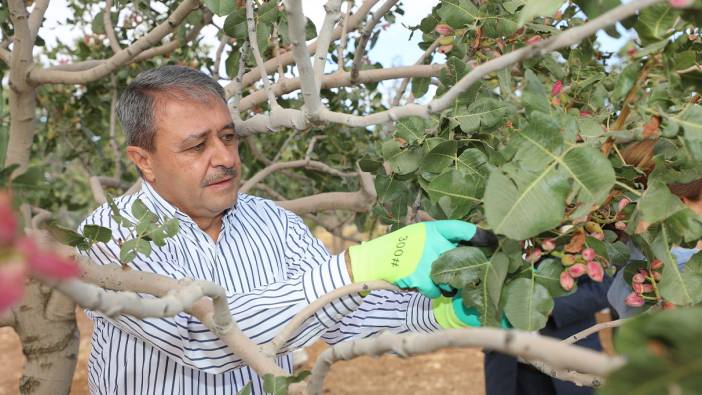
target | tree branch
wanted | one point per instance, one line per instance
(109, 29)
(594, 329)
(339, 79)
(251, 25)
(287, 58)
(296, 164)
(296, 31)
(5, 56)
(333, 8)
(344, 36)
(37, 17)
(405, 82)
(359, 201)
(272, 348)
(44, 75)
(513, 342)
(365, 36)
(22, 44)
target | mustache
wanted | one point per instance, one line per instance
(225, 173)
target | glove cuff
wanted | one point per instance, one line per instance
(450, 313)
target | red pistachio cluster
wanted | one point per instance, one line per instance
(644, 286)
(577, 265)
(20, 256)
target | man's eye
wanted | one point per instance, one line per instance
(198, 147)
(229, 137)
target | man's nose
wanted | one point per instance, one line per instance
(224, 155)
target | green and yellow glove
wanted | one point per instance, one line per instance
(450, 313)
(404, 257)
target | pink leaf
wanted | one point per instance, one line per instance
(556, 88)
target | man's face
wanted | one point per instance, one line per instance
(196, 164)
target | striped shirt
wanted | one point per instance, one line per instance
(271, 267)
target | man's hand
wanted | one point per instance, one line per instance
(404, 257)
(450, 313)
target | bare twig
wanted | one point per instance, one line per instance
(113, 126)
(218, 54)
(109, 29)
(236, 94)
(296, 164)
(344, 35)
(365, 36)
(251, 24)
(48, 75)
(690, 69)
(405, 82)
(513, 342)
(594, 329)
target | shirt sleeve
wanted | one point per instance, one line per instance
(260, 313)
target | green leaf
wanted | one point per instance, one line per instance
(171, 227)
(486, 296)
(662, 353)
(420, 86)
(473, 162)
(32, 179)
(402, 161)
(232, 63)
(68, 236)
(548, 274)
(681, 288)
(626, 81)
(97, 233)
(310, 30)
(591, 172)
(143, 247)
(461, 193)
(535, 8)
(246, 390)
(410, 129)
(440, 157)
(460, 267)
(485, 113)
(658, 203)
(263, 33)
(458, 13)
(535, 97)
(595, 8)
(235, 24)
(141, 212)
(655, 23)
(268, 13)
(527, 304)
(220, 7)
(275, 385)
(524, 207)
(127, 251)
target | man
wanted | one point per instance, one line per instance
(181, 137)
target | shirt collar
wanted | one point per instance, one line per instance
(166, 210)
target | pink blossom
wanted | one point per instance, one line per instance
(444, 29)
(45, 263)
(556, 88)
(595, 271)
(567, 281)
(11, 283)
(634, 300)
(680, 3)
(577, 270)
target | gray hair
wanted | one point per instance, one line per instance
(136, 107)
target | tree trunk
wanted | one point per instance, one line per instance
(46, 325)
(22, 125)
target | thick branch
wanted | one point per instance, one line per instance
(511, 342)
(37, 16)
(215, 315)
(332, 7)
(365, 36)
(296, 164)
(296, 31)
(153, 38)
(340, 79)
(359, 201)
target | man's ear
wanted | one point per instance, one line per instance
(142, 159)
